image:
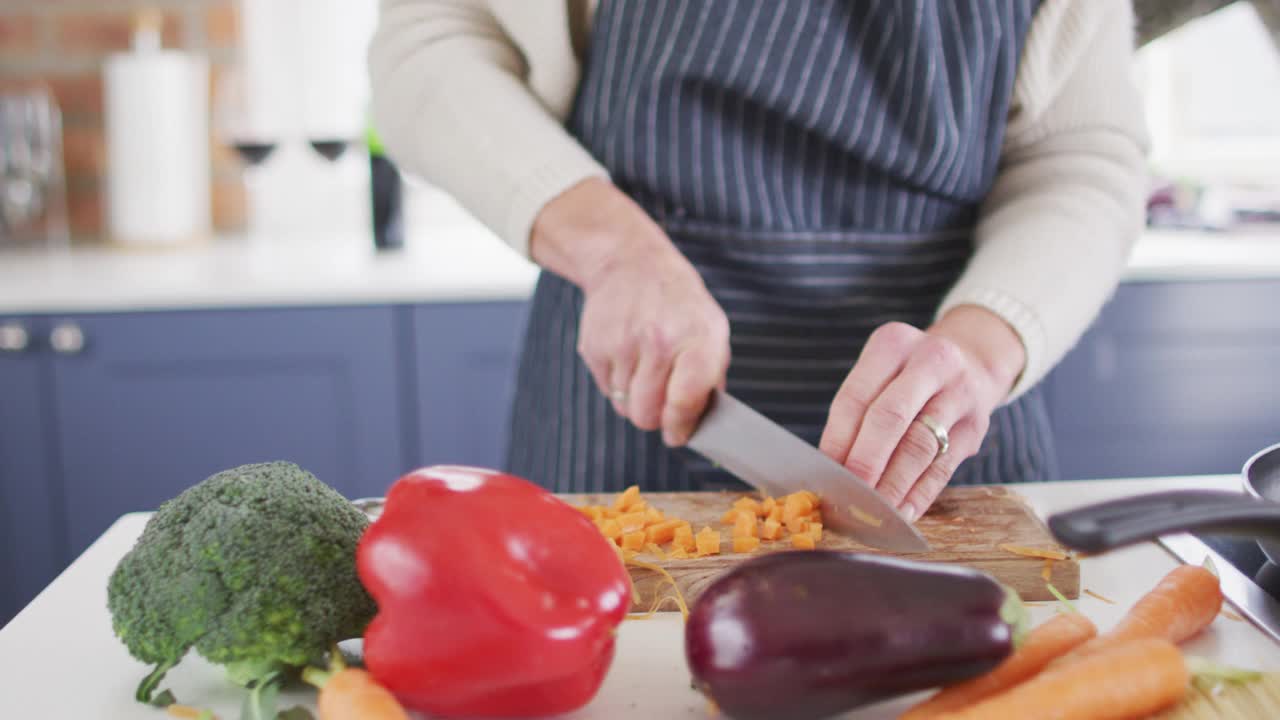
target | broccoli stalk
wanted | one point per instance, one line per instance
(254, 567)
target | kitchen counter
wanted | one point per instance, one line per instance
(58, 658)
(450, 261)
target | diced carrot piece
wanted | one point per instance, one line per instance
(683, 538)
(767, 506)
(745, 526)
(708, 541)
(611, 529)
(776, 514)
(610, 512)
(745, 544)
(663, 532)
(730, 517)
(813, 497)
(632, 522)
(798, 526)
(802, 541)
(748, 504)
(678, 554)
(655, 550)
(633, 540)
(588, 510)
(652, 516)
(815, 529)
(772, 530)
(628, 496)
(797, 505)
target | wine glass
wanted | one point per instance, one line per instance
(33, 203)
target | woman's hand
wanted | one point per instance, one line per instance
(957, 373)
(655, 340)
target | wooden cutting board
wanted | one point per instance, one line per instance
(965, 527)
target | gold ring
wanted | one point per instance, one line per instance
(939, 433)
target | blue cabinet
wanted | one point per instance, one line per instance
(465, 356)
(153, 403)
(1174, 378)
(31, 543)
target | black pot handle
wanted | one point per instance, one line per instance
(1116, 523)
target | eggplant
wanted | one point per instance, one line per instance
(809, 634)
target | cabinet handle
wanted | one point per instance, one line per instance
(14, 337)
(66, 338)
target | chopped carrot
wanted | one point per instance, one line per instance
(745, 544)
(655, 550)
(1184, 602)
(730, 517)
(678, 554)
(186, 712)
(1034, 552)
(683, 538)
(796, 506)
(707, 541)
(633, 540)
(632, 522)
(628, 497)
(662, 532)
(812, 496)
(815, 530)
(610, 512)
(776, 514)
(611, 529)
(591, 511)
(1132, 679)
(745, 525)
(802, 541)
(767, 506)
(797, 526)
(351, 693)
(771, 530)
(748, 504)
(1042, 645)
(1103, 598)
(652, 516)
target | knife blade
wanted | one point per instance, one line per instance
(770, 458)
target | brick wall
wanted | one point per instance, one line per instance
(62, 43)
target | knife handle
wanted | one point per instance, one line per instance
(1116, 523)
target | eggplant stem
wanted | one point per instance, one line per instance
(1014, 613)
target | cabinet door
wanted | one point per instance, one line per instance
(155, 402)
(1175, 378)
(466, 355)
(30, 541)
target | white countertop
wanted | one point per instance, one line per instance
(59, 658)
(455, 260)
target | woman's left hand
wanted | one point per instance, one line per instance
(956, 373)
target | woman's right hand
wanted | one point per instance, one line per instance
(655, 340)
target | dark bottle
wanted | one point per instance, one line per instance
(387, 197)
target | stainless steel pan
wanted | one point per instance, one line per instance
(1252, 513)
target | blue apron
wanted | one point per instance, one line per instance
(821, 164)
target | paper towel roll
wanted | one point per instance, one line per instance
(157, 137)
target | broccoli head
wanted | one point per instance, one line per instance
(254, 567)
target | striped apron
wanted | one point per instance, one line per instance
(821, 164)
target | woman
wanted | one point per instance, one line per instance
(880, 223)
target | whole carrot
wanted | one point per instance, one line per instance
(1185, 601)
(1042, 645)
(352, 694)
(1124, 681)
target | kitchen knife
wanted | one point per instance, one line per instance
(773, 460)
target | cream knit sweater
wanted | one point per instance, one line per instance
(472, 94)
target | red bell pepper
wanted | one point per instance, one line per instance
(495, 598)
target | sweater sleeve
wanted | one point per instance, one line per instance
(453, 105)
(1055, 232)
